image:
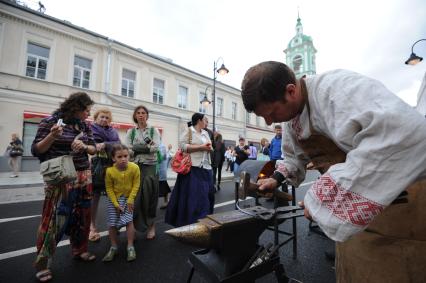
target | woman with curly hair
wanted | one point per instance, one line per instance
(66, 208)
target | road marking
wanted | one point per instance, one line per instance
(3, 220)
(31, 250)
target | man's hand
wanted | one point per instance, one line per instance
(268, 184)
(306, 211)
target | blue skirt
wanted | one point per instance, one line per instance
(192, 197)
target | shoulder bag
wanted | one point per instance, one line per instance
(59, 170)
(181, 162)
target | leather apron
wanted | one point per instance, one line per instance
(393, 247)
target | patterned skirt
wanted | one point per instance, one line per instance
(116, 219)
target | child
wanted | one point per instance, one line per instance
(122, 184)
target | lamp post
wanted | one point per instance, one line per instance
(414, 59)
(222, 71)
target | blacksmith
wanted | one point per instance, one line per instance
(370, 147)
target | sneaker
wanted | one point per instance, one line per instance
(13, 176)
(110, 254)
(131, 253)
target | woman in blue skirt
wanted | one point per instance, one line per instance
(193, 194)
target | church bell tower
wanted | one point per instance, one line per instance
(300, 52)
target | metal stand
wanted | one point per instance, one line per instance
(292, 236)
(210, 265)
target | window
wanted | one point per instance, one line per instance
(247, 117)
(297, 63)
(182, 97)
(202, 108)
(234, 111)
(37, 58)
(30, 130)
(82, 69)
(128, 83)
(158, 91)
(219, 107)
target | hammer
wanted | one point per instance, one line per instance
(247, 188)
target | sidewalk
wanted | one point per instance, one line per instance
(29, 185)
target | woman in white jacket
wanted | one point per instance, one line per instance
(193, 194)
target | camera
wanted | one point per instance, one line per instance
(147, 140)
(60, 123)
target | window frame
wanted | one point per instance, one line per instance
(128, 82)
(234, 110)
(82, 70)
(219, 106)
(37, 59)
(179, 98)
(160, 96)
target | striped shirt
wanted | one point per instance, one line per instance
(62, 145)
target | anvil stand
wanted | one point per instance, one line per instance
(292, 236)
(211, 265)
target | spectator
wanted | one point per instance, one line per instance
(263, 154)
(15, 151)
(144, 141)
(105, 137)
(218, 159)
(72, 215)
(122, 184)
(193, 194)
(228, 158)
(253, 152)
(164, 186)
(170, 154)
(241, 153)
(275, 146)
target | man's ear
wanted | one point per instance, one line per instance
(290, 91)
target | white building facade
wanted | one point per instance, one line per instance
(44, 59)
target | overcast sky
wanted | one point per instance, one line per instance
(372, 37)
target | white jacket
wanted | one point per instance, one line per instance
(199, 158)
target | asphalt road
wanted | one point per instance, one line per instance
(160, 260)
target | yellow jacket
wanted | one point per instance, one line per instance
(120, 183)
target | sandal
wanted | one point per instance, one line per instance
(44, 275)
(94, 236)
(86, 256)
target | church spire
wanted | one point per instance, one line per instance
(299, 27)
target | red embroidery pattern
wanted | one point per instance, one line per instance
(345, 205)
(295, 124)
(280, 166)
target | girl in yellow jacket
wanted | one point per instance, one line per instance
(122, 184)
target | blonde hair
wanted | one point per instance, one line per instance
(263, 141)
(103, 110)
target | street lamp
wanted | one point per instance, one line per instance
(222, 71)
(414, 59)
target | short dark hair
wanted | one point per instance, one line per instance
(76, 102)
(137, 109)
(265, 82)
(116, 147)
(278, 126)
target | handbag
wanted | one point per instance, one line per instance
(16, 151)
(99, 165)
(181, 163)
(59, 170)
